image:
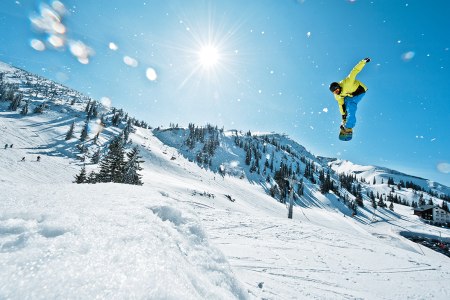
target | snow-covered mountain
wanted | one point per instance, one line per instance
(209, 222)
(269, 158)
(379, 174)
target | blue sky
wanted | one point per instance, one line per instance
(269, 67)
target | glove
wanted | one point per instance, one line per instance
(367, 59)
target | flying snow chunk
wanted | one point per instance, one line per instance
(83, 60)
(59, 28)
(49, 20)
(49, 14)
(105, 101)
(59, 7)
(80, 51)
(37, 45)
(308, 34)
(56, 41)
(113, 46)
(129, 61)
(444, 168)
(407, 56)
(325, 109)
(151, 74)
(96, 126)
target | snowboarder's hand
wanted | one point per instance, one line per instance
(367, 59)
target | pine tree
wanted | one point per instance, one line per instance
(421, 201)
(15, 102)
(25, 109)
(391, 206)
(116, 120)
(374, 203)
(95, 157)
(326, 182)
(248, 157)
(96, 137)
(88, 106)
(111, 167)
(127, 130)
(131, 168)
(92, 177)
(69, 134)
(445, 206)
(84, 132)
(81, 178)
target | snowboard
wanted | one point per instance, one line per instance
(345, 134)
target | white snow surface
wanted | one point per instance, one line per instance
(168, 239)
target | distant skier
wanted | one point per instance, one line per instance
(38, 158)
(23, 158)
(6, 146)
(348, 93)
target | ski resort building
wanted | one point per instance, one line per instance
(433, 213)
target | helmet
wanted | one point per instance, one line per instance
(334, 86)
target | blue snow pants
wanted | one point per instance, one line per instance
(351, 105)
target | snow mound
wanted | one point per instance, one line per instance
(107, 246)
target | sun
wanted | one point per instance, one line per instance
(208, 56)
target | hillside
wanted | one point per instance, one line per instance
(269, 159)
(202, 226)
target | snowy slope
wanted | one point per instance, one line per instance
(106, 241)
(67, 240)
(179, 236)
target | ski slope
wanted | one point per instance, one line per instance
(179, 236)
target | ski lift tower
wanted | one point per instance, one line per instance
(291, 181)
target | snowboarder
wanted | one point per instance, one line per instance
(348, 93)
(38, 158)
(6, 146)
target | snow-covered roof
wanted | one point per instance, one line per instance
(425, 207)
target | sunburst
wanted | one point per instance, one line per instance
(208, 56)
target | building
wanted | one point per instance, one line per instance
(434, 214)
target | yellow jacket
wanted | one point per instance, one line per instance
(349, 85)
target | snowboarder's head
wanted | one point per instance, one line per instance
(335, 88)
